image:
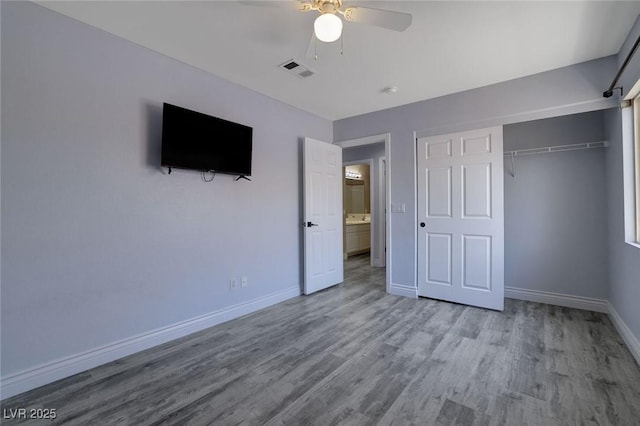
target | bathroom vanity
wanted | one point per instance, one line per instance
(358, 234)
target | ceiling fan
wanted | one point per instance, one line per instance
(328, 26)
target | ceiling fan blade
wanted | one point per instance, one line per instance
(283, 4)
(391, 20)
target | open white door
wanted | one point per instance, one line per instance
(461, 219)
(322, 215)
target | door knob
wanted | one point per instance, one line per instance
(310, 224)
(422, 225)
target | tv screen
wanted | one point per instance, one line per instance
(192, 140)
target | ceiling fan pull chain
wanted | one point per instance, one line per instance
(315, 48)
(342, 44)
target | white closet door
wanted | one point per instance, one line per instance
(460, 218)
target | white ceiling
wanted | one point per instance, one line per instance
(451, 46)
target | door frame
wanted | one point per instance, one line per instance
(368, 140)
(372, 199)
(382, 183)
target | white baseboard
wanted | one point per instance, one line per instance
(32, 378)
(578, 302)
(403, 290)
(627, 335)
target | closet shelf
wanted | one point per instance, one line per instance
(557, 148)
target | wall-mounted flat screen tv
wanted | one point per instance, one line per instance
(192, 140)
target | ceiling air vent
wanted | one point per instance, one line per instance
(297, 68)
(291, 65)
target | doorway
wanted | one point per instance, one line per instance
(358, 197)
(373, 151)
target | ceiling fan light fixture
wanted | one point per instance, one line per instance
(328, 27)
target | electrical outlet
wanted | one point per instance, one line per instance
(232, 283)
(244, 281)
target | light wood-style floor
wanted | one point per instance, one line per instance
(353, 354)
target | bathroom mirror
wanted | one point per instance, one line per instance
(355, 198)
(356, 189)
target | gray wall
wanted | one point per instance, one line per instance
(624, 292)
(98, 244)
(372, 151)
(629, 78)
(559, 92)
(555, 208)
(564, 130)
(624, 278)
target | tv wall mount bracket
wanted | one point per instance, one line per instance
(236, 179)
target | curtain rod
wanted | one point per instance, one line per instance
(609, 92)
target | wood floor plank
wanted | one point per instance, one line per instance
(353, 354)
(453, 413)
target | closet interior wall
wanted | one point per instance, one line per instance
(555, 207)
